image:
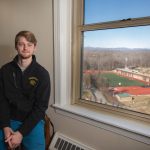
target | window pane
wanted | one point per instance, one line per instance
(109, 10)
(116, 68)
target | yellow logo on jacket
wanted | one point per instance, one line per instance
(33, 81)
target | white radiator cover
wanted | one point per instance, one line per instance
(63, 142)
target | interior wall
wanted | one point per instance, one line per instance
(33, 15)
(36, 15)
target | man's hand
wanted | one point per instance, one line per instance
(14, 140)
(7, 132)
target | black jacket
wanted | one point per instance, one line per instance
(24, 96)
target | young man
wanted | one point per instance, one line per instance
(24, 96)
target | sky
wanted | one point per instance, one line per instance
(110, 10)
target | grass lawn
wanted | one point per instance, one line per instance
(115, 80)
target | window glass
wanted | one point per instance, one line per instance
(108, 10)
(116, 68)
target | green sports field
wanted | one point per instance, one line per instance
(116, 80)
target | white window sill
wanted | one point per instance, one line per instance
(125, 126)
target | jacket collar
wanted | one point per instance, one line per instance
(15, 61)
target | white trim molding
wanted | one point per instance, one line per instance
(62, 50)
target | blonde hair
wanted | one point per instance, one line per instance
(29, 36)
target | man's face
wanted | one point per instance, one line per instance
(24, 48)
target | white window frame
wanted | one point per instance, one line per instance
(137, 129)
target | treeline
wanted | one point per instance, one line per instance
(109, 59)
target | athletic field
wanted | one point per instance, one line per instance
(115, 80)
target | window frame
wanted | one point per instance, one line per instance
(81, 27)
(67, 41)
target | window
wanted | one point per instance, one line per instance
(115, 50)
(70, 39)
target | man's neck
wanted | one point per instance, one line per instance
(24, 63)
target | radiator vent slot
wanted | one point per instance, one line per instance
(65, 145)
(62, 142)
